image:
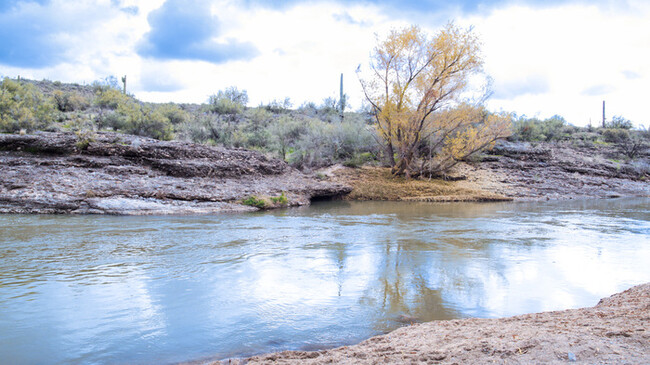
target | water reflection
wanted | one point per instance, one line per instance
(98, 289)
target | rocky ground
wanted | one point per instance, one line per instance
(511, 171)
(123, 174)
(616, 331)
(557, 171)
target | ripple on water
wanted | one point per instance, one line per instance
(98, 289)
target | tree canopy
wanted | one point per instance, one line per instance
(415, 87)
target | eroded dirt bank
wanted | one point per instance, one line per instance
(511, 171)
(615, 331)
(524, 171)
(124, 174)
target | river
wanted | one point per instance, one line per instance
(164, 289)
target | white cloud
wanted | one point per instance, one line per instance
(585, 53)
(549, 60)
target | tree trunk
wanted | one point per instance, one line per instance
(390, 154)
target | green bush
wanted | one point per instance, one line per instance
(229, 101)
(107, 101)
(615, 135)
(277, 106)
(173, 113)
(254, 201)
(618, 122)
(22, 106)
(107, 98)
(69, 102)
(554, 128)
(144, 121)
(285, 132)
(196, 129)
(359, 160)
(282, 199)
(84, 138)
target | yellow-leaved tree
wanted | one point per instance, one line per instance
(416, 87)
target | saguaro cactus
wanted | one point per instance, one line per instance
(124, 82)
(341, 100)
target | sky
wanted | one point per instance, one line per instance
(545, 58)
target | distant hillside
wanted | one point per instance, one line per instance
(48, 87)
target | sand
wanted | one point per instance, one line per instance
(615, 331)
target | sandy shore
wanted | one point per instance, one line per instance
(615, 331)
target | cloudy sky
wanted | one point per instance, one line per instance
(546, 56)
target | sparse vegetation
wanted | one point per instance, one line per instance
(378, 183)
(308, 137)
(254, 201)
(23, 106)
(280, 200)
(84, 138)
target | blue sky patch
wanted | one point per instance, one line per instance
(27, 39)
(185, 30)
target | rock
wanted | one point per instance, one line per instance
(561, 171)
(572, 357)
(123, 174)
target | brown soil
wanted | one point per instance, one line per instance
(377, 183)
(615, 331)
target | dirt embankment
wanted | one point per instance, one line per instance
(511, 171)
(124, 174)
(616, 331)
(558, 171)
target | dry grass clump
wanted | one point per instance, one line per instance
(377, 183)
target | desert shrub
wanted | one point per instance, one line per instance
(84, 138)
(554, 128)
(229, 101)
(113, 120)
(278, 106)
(359, 160)
(22, 106)
(354, 136)
(107, 100)
(630, 143)
(615, 135)
(314, 146)
(282, 199)
(173, 113)
(69, 101)
(323, 143)
(76, 121)
(640, 168)
(195, 129)
(524, 129)
(144, 121)
(285, 132)
(585, 136)
(618, 122)
(252, 129)
(254, 201)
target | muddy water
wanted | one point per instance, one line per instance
(106, 289)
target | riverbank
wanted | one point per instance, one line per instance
(510, 171)
(112, 173)
(615, 331)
